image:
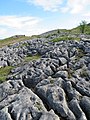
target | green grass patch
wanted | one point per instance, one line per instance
(35, 36)
(31, 58)
(78, 31)
(50, 35)
(84, 73)
(4, 72)
(24, 44)
(80, 54)
(64, 38)
(12, 40)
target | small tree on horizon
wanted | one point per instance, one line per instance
(82, 26)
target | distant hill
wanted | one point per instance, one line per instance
(50, 34)
(13, 39)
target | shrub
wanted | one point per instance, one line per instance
(82, 26)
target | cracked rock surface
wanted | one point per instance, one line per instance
(54, 87)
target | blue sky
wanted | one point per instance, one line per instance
(32, 17)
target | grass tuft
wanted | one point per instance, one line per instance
(31, 58)
(64, 38)
(4, 71)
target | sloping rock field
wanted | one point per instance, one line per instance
(54, 87)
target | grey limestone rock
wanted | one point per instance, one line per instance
(62, 74)
(48, 71)
(62, 60)
(49, 116)
(74, 106)
(56, 100)
(4, 115)
(83, 87)
(21, 104)
(3, 63)
(85, 105)
(56, 86)
(71, 92)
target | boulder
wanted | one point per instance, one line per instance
(62, 60)
(71, 92)
(4, 114)
(3, 63)
(54, 96)
(85, 105)
(62, 74)
(49, 116)
(83, 87)
(48, 71)
(21, 103)
(74, 106)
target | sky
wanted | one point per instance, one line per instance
(33, 17)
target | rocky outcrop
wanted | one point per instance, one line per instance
(18, 102)
(55, 87)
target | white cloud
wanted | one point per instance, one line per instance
(2, 31)
(72, 6)
(28, 25)
(86, 14)
(77, 6)
(86, 17)
(47, 5)
(18, 21)
(14, 25)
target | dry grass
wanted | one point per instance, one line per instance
(12, 40)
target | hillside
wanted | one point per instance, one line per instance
(62, 33)
(13, 39)
(45, 77)
(77, 29)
